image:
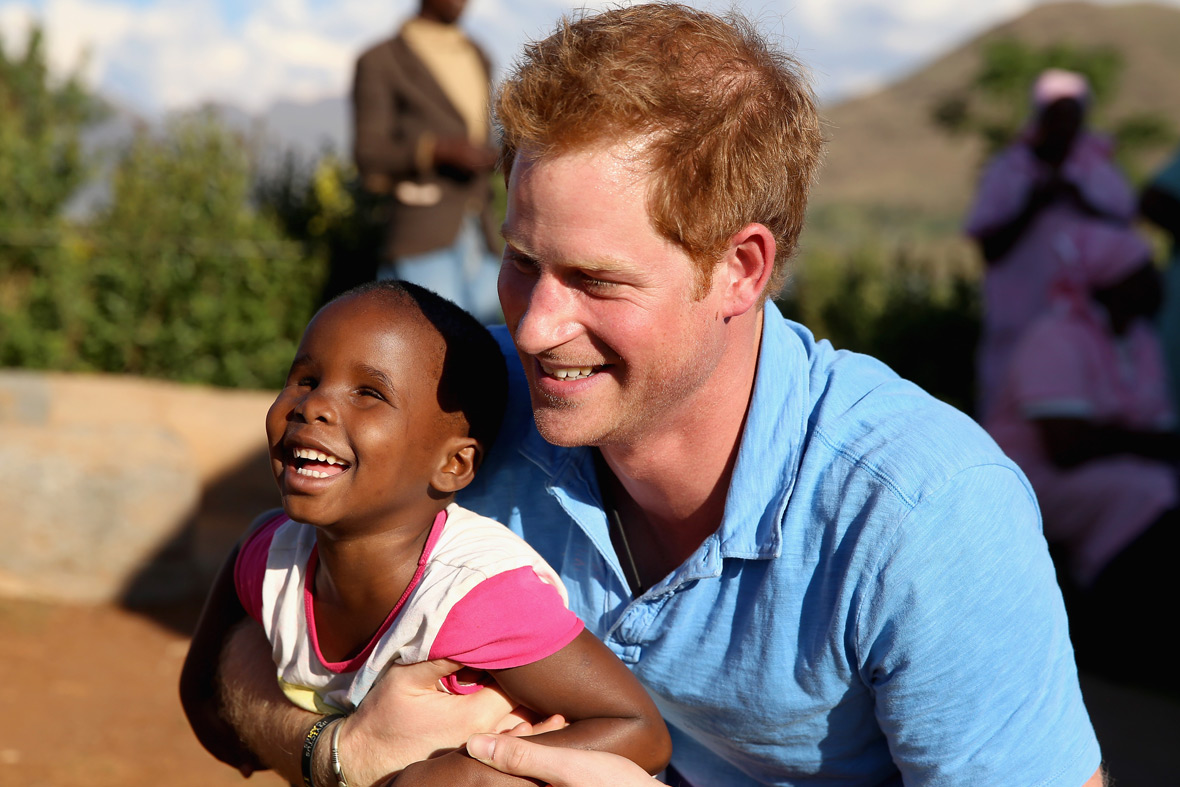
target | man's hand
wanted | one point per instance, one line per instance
(556, 766)
(457, 153)
(406, 718)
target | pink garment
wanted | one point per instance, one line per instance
(1016, 288)
(480, 596)
(1070, 365)
(1097, 254)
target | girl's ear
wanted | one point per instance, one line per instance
(462, 458)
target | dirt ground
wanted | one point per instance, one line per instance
(89, 698)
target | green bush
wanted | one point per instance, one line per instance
(915, 308)
(179, 277)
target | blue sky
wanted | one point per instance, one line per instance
(156, 55)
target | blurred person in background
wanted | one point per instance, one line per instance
(1160, 204)
(1085, 411)
(1055, 175)
(422, 141)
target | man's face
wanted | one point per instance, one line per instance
(601, 307)
(355, 433)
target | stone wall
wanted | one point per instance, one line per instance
(118, 488)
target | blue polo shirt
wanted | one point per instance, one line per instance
(877, 606)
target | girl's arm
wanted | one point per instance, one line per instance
(607, 709)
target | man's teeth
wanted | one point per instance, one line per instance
(317, 456)
(569, 372)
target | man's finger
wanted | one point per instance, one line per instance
(517, 757)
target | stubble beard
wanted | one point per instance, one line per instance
(639, 410)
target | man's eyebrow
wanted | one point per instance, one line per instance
(603, 263)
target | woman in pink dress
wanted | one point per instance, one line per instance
(1054, 176)
(1084, 410)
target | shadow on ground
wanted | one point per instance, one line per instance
(170, 587)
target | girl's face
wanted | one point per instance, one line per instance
(357, 432)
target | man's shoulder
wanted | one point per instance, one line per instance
(383, 52)
(873, 422)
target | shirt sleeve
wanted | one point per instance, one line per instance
(965, 643)
(250, 567)
(508, 620)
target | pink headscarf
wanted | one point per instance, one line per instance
(1054, 84)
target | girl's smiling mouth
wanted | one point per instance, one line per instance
(317, 464)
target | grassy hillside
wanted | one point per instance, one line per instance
(887, 157)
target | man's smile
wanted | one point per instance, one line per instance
(568, 372)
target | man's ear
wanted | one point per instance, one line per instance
(463, 455)
(746, 269)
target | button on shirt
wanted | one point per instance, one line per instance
(877, 604)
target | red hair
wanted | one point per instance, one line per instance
(729, 125)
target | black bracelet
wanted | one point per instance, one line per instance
(313, 737)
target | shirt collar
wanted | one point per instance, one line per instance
(771, 446)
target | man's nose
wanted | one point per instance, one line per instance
(550, 316)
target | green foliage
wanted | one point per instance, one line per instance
(323, 207)
(178, 277)
(994, 104)
(40, 124)
(916, 309)
(187, 280)
(40, 167)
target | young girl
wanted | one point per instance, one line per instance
(392, 400)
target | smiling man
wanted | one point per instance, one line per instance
(820, 573)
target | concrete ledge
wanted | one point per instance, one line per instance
(119, 487)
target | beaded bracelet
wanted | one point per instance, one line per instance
(337, 770)
(313, 736)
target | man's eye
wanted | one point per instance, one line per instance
(305, 382)
(521, 262)
(370, 392)
(591, 283)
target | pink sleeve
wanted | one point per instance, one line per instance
(506, 621)
(250, 567)
(1003, 191)
(1049, 371)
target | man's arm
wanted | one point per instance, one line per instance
(584, 682)
(382, 153)
(198, 677)
(963, 637)
(372, 743)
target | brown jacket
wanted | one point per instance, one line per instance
(395, 101)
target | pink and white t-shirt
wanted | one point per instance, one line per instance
(481, 596)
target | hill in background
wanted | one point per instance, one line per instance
(887, 158)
